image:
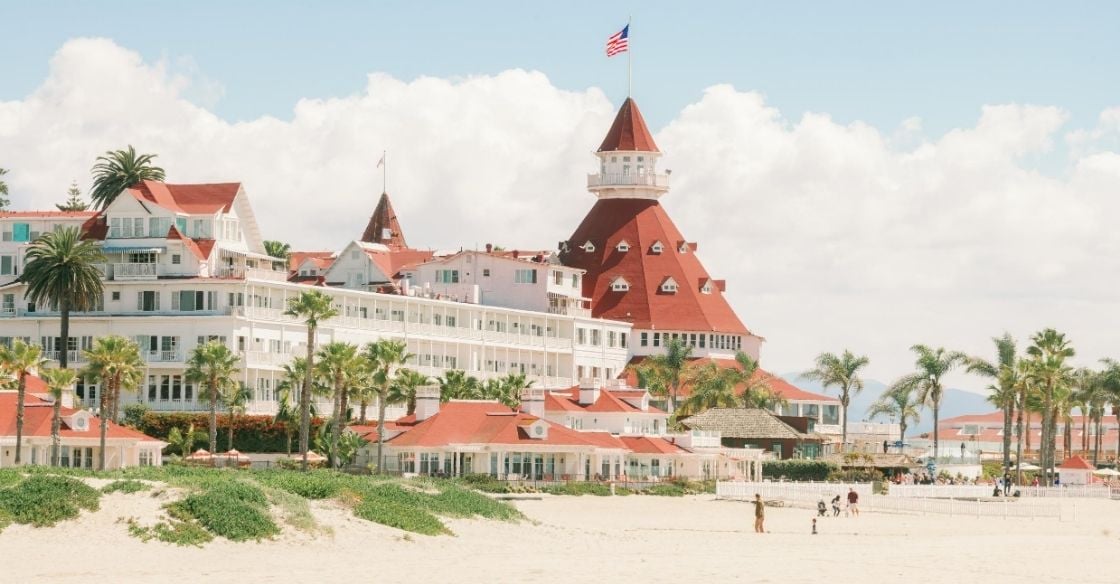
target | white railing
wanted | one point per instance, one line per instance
(161, 356)
(71, 356)
(805, 492)
(134, 271)
(645, 179)
(7, 311)
(968, 507)
(569, 311)
(175, 405)
(945, 491)
(276, 359)
(263, 274)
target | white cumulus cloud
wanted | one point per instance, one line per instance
(830, 235)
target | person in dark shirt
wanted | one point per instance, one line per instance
(759, 513)
(853, 502)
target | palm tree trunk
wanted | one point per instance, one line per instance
(844, 399)
(20, 396)
(936, 440)
(56, 429)
(213, 391)
(1019, 444)
(305, 399)
(106, 389)
(380, 429)
(64, 332)
(232, 419)
(336, 426)
(362, 414)
(1084, 432)
(1096, 439)
(288, 434)
(1007, 440)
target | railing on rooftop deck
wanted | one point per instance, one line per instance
(161, 356)
(134, 271)
(252, 273)
(645, 179)
(74, 356)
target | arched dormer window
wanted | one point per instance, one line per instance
(620, 284)
(622, 246)
(669, 286)
(588, 247)
(656, 248)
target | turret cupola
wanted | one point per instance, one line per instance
(628, 160)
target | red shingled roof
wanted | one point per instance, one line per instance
(463, 422)
(641, 222)
(1077, 463)
(190, 199)
(396, 259)
(47, 214)
(322, 259)
(629, 131)
(609, 401)
(37, 414)
(651, 445)
(384, 218)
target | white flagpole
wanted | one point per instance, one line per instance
(629, 60)
(384, 172)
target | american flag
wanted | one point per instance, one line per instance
(619, 42)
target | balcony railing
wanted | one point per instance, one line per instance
(275, 359)
(7, 311)
(134, 271)
(241, 272)
(569, 311)
(645, 179)
(161, 356)
(71, 356)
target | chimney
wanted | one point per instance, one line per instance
(532, 402)
(67, 400)
(427, 402)
(588, 391)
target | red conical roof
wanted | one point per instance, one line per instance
(641, 223)
(629, 131)
(383, 227)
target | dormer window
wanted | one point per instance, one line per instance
(669, 286)
(588, 247)
(683, 248)
(656, 248)
(706, 288)
(623, 246)
(620, 284)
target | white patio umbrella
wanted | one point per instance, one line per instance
(1028, 466)
(1107, 472)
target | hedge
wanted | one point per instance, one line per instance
(251, 434)
(798, 470)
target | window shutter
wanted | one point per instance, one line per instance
(175, 301)
(139, 301)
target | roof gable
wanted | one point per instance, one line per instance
(383, 226)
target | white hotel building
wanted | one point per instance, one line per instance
(186, 264)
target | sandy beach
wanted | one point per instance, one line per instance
(649, 539)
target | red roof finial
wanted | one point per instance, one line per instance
(629, 131)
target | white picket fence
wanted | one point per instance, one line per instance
(963, 491)
(804, 492)
(930, 502)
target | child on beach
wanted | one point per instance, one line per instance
(836, 506)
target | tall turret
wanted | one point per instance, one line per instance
(628, 160)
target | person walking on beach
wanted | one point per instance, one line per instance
(853, 502)
(759, 513)
(836, 506)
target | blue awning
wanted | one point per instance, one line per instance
(133, 248)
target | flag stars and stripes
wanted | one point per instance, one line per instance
(619, 42)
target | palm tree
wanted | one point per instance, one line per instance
(3, 190)
(383, 358)
(19, 361)
(710, 387)
(338, 365)
(236, 399)
(897, 404)
(212, 366)
(666, 370)
(932, 365)
(1111, 386)
(58, 381)
(1049, 352)
(842, 372)
(114, 362)
(313, 307)
(755, 383)
(506, 390)
(62, 273)
(1005, 391)
(117, 170)
(277, 249)
(403, 389)
(285, 413)
(457, 384)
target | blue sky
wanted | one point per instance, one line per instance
(879, 62)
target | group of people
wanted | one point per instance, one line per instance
(822, 510)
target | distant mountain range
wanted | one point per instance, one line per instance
(954, 402)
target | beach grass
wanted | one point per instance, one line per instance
(44, 500)
(126, 486)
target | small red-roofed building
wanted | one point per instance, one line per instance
(1075, 470)
(79, 434)
(19, 228)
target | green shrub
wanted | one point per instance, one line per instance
(856, 475)
(485, 483)
(400, 516)
(134, 415)
(251, 433)
(9, 476)
(317, 484)
(666, 490)
(578, 489)
(234, 510)
(182, 533)
(43, 500)
(798, 470)
(456, 501)
(128, 486)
